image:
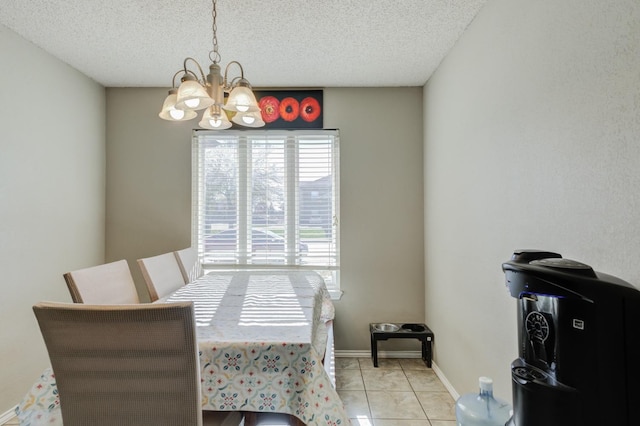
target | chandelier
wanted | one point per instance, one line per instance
(197, 92)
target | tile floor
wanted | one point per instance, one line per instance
(400, 392)
(13, 421)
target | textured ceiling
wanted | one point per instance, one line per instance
(280, 43)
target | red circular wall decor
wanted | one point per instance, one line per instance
(291, 109)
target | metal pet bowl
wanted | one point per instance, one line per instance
(386, 327)
(416, 328)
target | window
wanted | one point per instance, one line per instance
(267, 199)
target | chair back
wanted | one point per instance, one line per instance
(189, 263)
(110, 283)
(123, 365)
(161, 274)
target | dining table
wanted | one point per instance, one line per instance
(262, 339)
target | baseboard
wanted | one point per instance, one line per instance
(5, 417)
(447, 384)
(402, 354)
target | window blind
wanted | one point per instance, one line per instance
(267, 198)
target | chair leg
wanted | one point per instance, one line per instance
(296, 421)
(221, 418)
(250, 418)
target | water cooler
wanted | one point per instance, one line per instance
(579, 344)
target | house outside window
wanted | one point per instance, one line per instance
(267, 199)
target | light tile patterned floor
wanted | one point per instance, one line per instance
(400, 392)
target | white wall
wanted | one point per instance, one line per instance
(532, 140)
(382, 234)
(52, 185)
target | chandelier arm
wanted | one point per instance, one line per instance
(188, 71)
(234, 81)
(173, 80)
(226, 71)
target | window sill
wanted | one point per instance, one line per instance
(335, 294)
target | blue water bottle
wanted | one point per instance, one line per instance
(482, 409)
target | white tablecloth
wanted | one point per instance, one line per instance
(262, 337)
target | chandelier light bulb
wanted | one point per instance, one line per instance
(176, 114)
(249, 119)
(192, 103)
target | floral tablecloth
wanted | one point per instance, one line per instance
(261, 337)
(41, 405)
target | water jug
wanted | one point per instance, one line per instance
(482, 409)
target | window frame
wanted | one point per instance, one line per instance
(291, 148)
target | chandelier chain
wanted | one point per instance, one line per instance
(214, 55)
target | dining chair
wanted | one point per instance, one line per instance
(126, 365)
(161, 274)
(189, 263)
(110, 283)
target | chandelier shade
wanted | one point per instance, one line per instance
(214, 118)
(192, 96)
(242, 99)
(197, 92)
(170, 112)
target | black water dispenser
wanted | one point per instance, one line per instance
(579, 344)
